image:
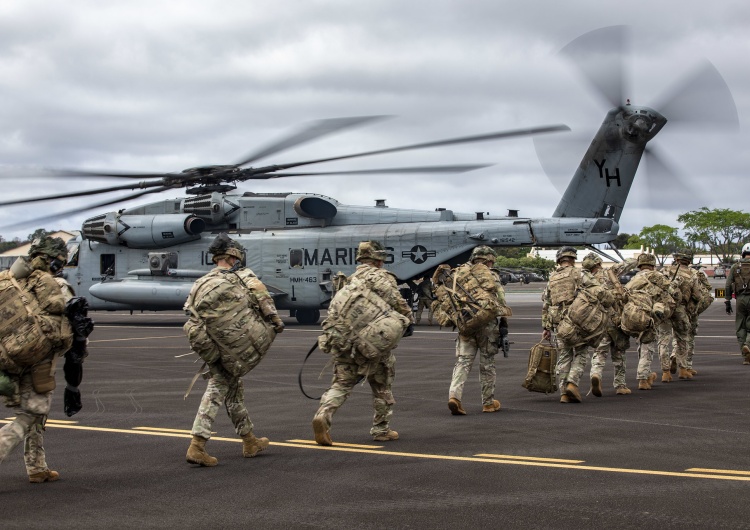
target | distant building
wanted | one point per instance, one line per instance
(9, 256)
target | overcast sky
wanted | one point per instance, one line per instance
(150, 86)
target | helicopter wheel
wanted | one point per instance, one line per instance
(307, 316)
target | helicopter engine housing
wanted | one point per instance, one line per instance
(143, 231)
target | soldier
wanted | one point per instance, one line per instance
(351, 366)
(484, 341)
(562, 290)
(694, 310)
(425, 298)
(659, 291)
(614, 341)
(34, 386)
(223, 387)
(675, 332)
(738, 283)
(338, 282)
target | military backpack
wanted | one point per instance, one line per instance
(540, 376)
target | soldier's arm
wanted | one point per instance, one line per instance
(47, 292)
(626, 266)
(265, 302)
(386, 287)
(729, 285)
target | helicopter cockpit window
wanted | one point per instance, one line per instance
(107, 264)
(73, 255)
(295, 258)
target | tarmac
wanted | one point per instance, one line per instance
(677, 456)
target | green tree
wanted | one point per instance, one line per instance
(38, 233)
(513, 252)
(621, 240)
(721, 231)
(662, 239)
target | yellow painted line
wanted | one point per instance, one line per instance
(725, 471)
(62, 422)
(356, 446)
(159, 429)
(339, 448)
(531, 458)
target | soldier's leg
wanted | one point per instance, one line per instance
(664, 343)
(618, 361)
(429, 311)
(691, 342)
(344, 378)
(599, 357)
(418, 314)
(381, 383)
(33, 450)
(742, 324)
(487, 372)
(578, 364)
(236, 409)
(15, 432)
(681, 332)
(466, 351)
(564, 360)
(212, 399)
(645, 358)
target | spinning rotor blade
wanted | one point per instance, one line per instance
(599, 55)
(702, 98)
(97, 191)
(665, 182)
(313, 131)
(59, 215)
(75, 173)
(394, 170)
(439, 143)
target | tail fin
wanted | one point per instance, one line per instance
(602, 182)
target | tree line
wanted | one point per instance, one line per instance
(17, 242)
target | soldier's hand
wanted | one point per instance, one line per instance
(72, 401)
(278, 324)
(409, 331)
(546, 334)
(729, 306)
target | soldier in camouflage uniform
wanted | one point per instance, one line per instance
(32, 406)
(484, 342)
(224, 388)
(424, 300)
(738, 283)
(705, 289)
(615, 341)
(674, 334)
(564, 284)
(350, 367)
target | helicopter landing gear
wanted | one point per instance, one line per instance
(307, 316)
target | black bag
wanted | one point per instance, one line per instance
(541, 374)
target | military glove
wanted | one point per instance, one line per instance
(729, 306)
(278, 324)
(72, 401)
(409, 331)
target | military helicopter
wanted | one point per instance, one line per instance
(147, 257)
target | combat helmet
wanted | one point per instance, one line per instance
(54, 247)
(590, 261)
(683, 254)
(224, 246)
(483, 252)
(646, 259)
(745, 249)
(371, 250)
(566, 252)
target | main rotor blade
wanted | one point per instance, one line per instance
(439, 143)
(97, 191)
(664, 182)
(701, 98)
(108, 174)
(384, 171)
(599, 55)
(67, 213)
(312, 131)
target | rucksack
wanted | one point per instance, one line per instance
(360, 321)
(466, 297)
(225, 324)
(540, 376)
(28, 334)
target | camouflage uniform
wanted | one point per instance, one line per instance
(704, 286)
(614, 342)
(484, 342)
(31, 407)
(674, 334)
(425, 298)
(350, 367)
(571, 360)
(738, 283)
(223, 387)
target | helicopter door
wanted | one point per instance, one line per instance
(107, 265)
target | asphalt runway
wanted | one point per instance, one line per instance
(677, 456)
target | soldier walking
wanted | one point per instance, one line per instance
(425, 297)
(738, 283)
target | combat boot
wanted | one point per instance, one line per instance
(596, 385)
(320, 428)
(196, 453)
(564, 399)
(685, 374)
(651, 379)
(673, 365)
(666, 377)
(44, 476)
(492, 407)
(251, 445)
(571, 390)
(746, 354)
(692, 372)
(388, 436)
(622, 390)
(455, 407)
(643, 384)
